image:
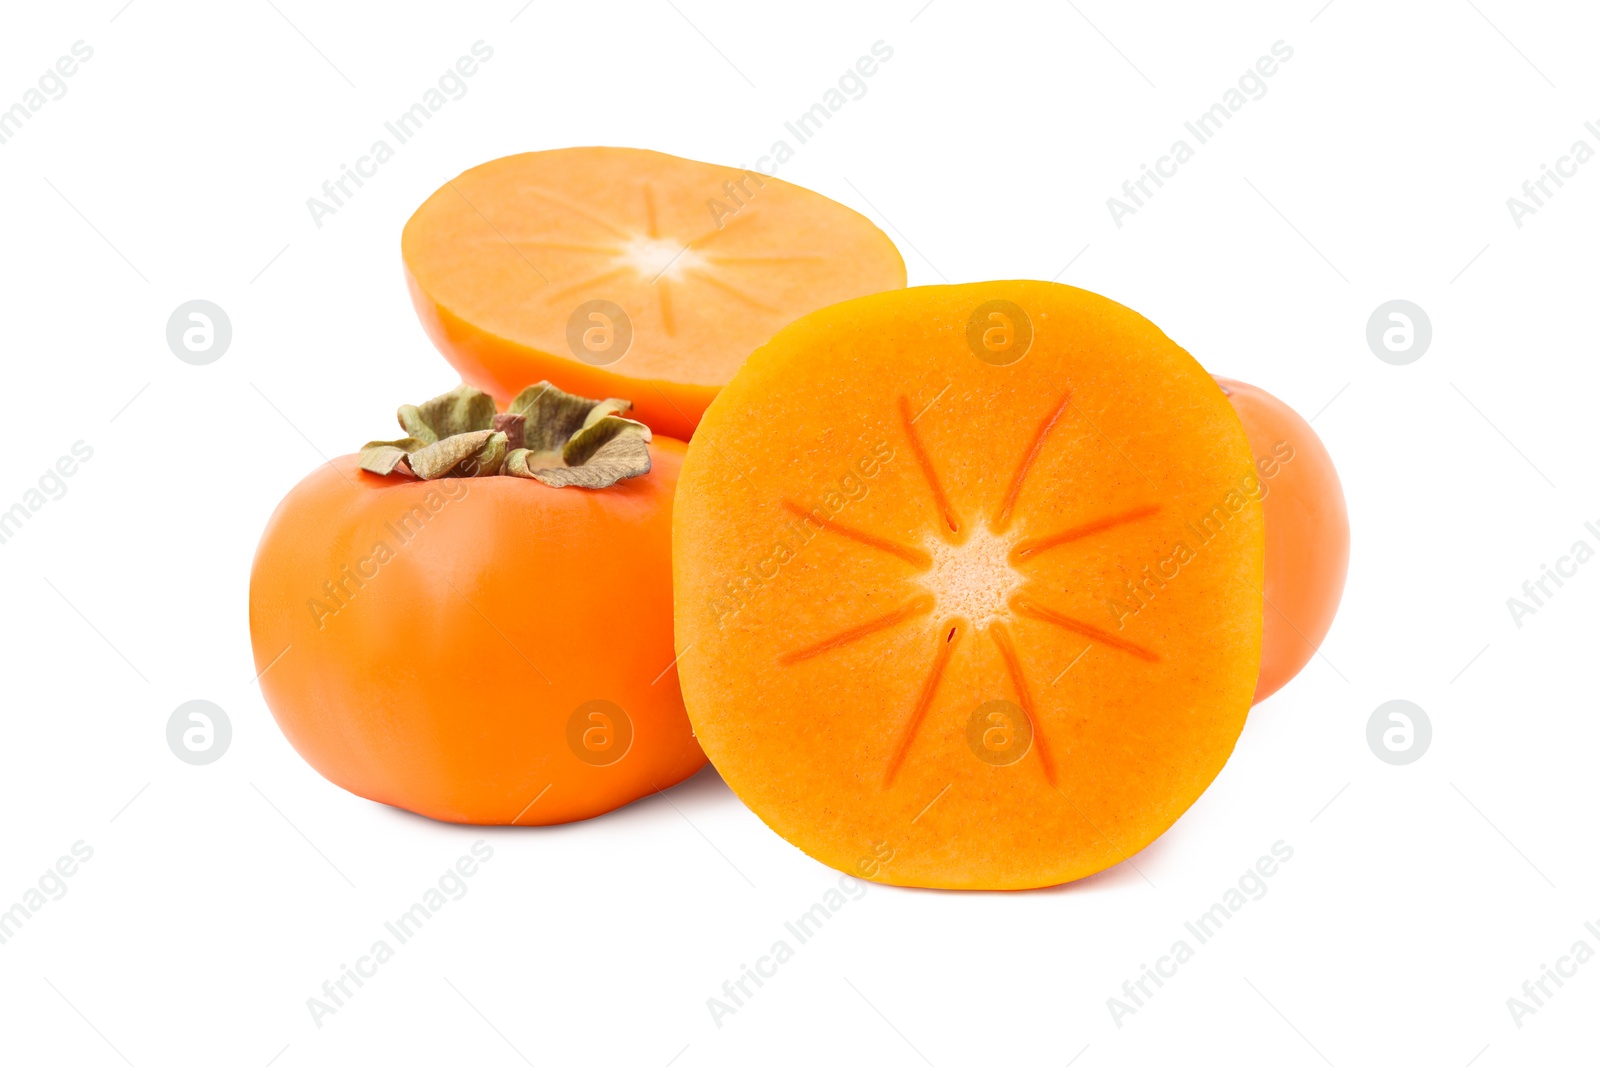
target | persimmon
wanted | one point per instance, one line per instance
(1308, 533)
(474, 622)
(967, 583)
(628, 272)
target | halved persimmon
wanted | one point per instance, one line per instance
(625, 272)
(967, 582)
(1308, 532)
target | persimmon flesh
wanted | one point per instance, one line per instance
(968, 577)
(626, 272)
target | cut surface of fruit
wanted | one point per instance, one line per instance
(1308, 533)
(620, 271)
(969, 577)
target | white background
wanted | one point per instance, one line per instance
(219, 898)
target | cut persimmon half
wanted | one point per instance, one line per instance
(625, 272)
(968, 584)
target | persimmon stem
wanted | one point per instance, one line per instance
(545, 434)
(513, 426)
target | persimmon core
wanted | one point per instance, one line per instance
(656, 257)
(974, 579)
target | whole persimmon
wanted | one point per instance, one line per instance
(1308, 533)
(474, 622)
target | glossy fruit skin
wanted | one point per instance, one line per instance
(501, 367)
(440, 676)
(1308, 533)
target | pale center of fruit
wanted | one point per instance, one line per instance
(974, 579)
(655, 257)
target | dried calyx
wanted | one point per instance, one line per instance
(545, 434)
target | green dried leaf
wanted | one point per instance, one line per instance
(553, 416)
(545, 434)
(491, 457)
(612, 406)
(382, 457)
(464, 455)
(603, 454)
(461, 410)
(582, 446)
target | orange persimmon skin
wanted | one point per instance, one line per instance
(1308, 533)
(502, 367)
(439, 674)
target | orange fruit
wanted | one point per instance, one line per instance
(969, 577)
(487, 649)
(1308, 533)
(624, 272)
